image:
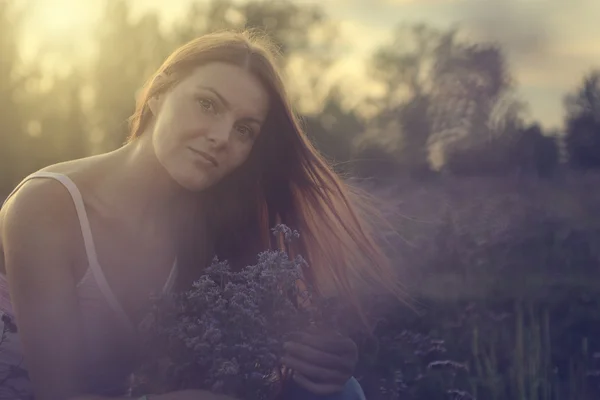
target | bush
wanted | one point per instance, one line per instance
(506, 271)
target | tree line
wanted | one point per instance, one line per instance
(448, 105)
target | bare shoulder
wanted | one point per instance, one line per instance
(44, 209)
(45, 195)
(41, 207)
(79, 168)
(43, 200)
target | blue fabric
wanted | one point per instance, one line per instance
(352, 391)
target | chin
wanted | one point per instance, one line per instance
(196, 183)
(196, 186)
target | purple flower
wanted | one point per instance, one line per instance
(226, 333)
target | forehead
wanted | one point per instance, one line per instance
(241, 88)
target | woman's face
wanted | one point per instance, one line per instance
(207, 123)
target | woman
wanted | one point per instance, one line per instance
(215, 158)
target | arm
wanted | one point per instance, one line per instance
(40, 237)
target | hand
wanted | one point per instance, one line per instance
(322, 360)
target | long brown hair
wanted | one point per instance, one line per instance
(285, 179)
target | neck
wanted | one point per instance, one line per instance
(143, 191)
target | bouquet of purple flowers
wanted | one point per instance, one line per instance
(226, 334)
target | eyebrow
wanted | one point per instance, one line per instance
(227, 104)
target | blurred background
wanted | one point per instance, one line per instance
(477, 120)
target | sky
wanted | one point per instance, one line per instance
(550, 44)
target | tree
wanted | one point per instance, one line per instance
(41, 112)
(11, 91)
(587, 98)
(438, 90)
(129, 51)
(583, 123)
(471, 82)
(524, 152)
(403, 125)
(402, 133)
(536, 152)
(405, 65)
(58, 130)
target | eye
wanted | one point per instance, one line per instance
(245, 131)
(206, 104)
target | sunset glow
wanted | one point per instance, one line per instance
(61, 19)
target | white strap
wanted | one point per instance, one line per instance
(88, 242)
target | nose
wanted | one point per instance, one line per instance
(219, 133)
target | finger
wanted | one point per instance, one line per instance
(314, 387)
(324, 357)
(314, 372)
(317, 357)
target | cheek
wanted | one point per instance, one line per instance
(174, 129)
(241, 155)
(178, 120)
(235, 159)
(166, 141)
(162, 141)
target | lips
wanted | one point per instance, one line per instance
(206, 156)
